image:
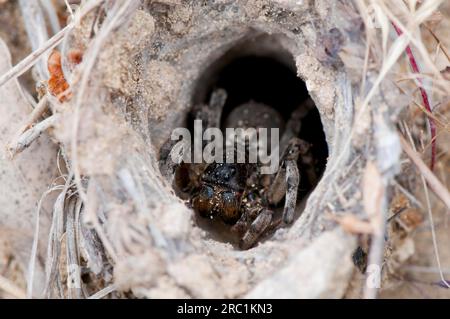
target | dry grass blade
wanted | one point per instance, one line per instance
(52, 15)
(102, 293)
(383, 21)
(438, 188)
(412, 150)
(419, 17)
(375, 207)
(36, 28)
(31, 135)
(34, 248)
(72, 248)
(37, 112)
(441, 45)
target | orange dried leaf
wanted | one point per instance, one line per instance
(57, 84)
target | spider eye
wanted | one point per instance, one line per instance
(230, 207)
(203, 203)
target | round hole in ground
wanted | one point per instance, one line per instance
(269, 79)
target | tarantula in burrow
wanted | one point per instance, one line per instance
(238, 193)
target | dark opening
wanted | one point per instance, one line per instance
(263, 80)
(273, 82)
(267, 80)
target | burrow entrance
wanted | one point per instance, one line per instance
(249, 73)
(268, 81)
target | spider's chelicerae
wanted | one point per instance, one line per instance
(237, 193)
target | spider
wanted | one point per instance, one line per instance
(237, 193)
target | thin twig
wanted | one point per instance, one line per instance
(102, 293)
(436, 186)
(69, 8)
(441, 45)
(34, 248)
(37, 112)
(34, 20)
(433, 231)
(52, 15)
(31, 135)
(72, 249)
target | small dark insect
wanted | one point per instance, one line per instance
(237, 193)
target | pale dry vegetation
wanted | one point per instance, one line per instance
(85, 212)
